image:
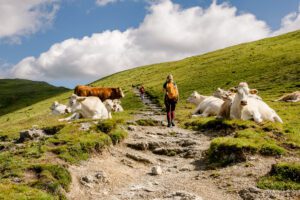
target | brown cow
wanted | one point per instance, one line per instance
(101, 92)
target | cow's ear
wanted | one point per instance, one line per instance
(233, 90)
(80, 99)
(253, 91)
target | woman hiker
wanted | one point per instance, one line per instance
(142, 92)
(171, 98)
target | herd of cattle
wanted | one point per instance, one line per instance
(240, 102)
(91, 102)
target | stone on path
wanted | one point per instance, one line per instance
(156, 170)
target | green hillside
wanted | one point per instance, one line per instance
(271, 65)
(19, 93)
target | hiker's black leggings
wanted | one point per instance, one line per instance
(170, 105)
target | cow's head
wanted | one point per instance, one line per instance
(243, 93)
(228, 96)
(109, 105)
(54, 105)
(195, 98)
(219, 93)
(75, 102)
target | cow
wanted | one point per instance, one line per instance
(117, 106)
(206, 105)
(196, 98)
(113, 106)
(101, 92)
(219, 93)
(224, 112)
(292, 97)
(246, 107)
(86, 107)
(59, 109)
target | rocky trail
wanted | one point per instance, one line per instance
(157, 162)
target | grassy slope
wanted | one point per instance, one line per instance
(19, 93)
(270, 65)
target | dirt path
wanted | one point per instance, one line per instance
(125, 171)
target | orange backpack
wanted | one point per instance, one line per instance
(172, 91)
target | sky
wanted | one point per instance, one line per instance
(71, 42)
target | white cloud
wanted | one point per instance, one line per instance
(290, 22)
(104, 2)
(167, 33)
(25, 17)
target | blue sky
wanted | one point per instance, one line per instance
(67, 19)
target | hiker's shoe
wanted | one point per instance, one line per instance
(172, 123)
(169, 125)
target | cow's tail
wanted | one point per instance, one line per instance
(277, 119)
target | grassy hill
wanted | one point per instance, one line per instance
(19, 93)
(270, 65)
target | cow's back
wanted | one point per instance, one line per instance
(82, 90)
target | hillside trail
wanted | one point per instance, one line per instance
(124, 171)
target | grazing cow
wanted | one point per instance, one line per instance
(59, 109)
(224, 112)
(86, 107)
(292, 97)
(102, 93)
(206, 105)
(246, 107)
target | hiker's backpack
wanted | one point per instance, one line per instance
(172, 91)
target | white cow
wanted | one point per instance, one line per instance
(246, 107)
(219, 93)
(117, 105)
(58, 109)
(206, 105)
(292, 97)
(86, 107)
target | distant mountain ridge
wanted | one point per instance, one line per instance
(19, 93)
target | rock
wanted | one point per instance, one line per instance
(156, 170)
(85, 126)
(31, 134)
(131, 128)
(87, 179)
(138, 158)
(182, 196)
(245, 194)
(185, 168)
(254, 190)
(102, 177)
(17, 180)
(138, 146)
(186, 143)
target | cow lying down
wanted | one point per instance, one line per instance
(206, 105)
(292, 97)
(59, 109)
(87, 107)
(245, 107)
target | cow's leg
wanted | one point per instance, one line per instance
(206, 113)
(257, 117)
(197, 110)
(73, 116)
